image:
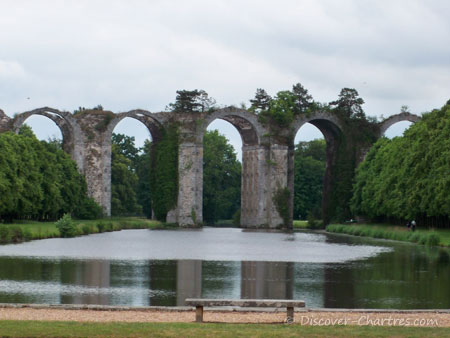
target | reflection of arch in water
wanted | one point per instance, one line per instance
(89, 274)
(390, 121)
(331, 128)
(64, 121)
(267, 280)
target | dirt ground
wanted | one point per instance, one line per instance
(308, 317)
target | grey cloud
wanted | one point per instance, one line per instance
(125, 55)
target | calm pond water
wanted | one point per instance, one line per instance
(163, 267)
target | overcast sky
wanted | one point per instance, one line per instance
(136, 54)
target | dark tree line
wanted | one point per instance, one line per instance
(309, 170)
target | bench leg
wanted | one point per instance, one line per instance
(290, 315)
(199, 313)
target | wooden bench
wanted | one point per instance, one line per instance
(199, 303)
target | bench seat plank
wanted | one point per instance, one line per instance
(245, 302)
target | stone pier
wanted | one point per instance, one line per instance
(189, 210)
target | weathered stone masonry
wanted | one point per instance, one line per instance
(267, 162)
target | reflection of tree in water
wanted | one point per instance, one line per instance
(28, 270)
(338, 288)
(163, 280)
(392, 280)
(220, 279)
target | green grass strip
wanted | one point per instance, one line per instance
(79, 329)
(432, 237)
(300, 224)
(21, 230)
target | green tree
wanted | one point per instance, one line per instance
(261, 102)
(125, 145)
(309, 170)
(124, 180)
(221, 178)
(303, 101)
(349, 104)
(143, 168)
(188, 101)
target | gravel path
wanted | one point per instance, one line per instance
(323, 317)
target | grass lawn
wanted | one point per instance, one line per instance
(400, 233)
(39, 230)
(78, 329)
(300, 224)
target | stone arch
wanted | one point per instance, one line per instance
(149, 120)
(391, 120)
(63, 120)
(327, 123)
(332, 129)
(245, 122)
(4, 121)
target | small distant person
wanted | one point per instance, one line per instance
(413, 225)
(408, 224)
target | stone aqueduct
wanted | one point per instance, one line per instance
(267, 163)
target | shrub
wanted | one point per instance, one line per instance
(27, 235)
(237, 218)
(415, 237)
(100, 227)
(5, 235)
(86, 229)
(423, 239)
(66, 226)
(314, 223)
(433, 239)
(88, 209)
(109, 227)
(16, 234)
(281, 200)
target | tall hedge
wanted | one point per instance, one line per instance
(38, 180)
(409, 176)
